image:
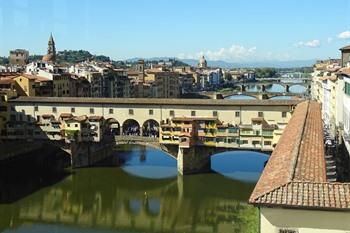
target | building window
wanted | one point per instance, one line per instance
(193, 113)
(111, 111)
(92, 111)
(72, 110)
(256, 143)
(215, 113)
(12, 117)
(288, 231)
(260, 114)
(172, 113)
(284, 114)
(131, 111)
(150, 112)
(237, 114)
(54, 109)
(36, 108)
(267, 143)
(347, 88)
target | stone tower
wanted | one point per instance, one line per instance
(51, 51)
(202, 63)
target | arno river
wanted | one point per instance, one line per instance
(137, 190)
(275, 88)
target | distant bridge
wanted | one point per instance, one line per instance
(285, 80)
(256, 95)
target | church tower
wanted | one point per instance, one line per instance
(51, 51)
(202, 63)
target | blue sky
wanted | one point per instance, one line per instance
(231, 30)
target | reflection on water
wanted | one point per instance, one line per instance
(282, 97)
(276, 88)
(241, 97)
(297, 89)
(149, 163)
(245, 166)
(125, 199)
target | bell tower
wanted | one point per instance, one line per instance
(51, 51)
(51, 46)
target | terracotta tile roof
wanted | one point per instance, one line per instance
(264, 123)
(6, 81)
(195, 119)
(295, 194)
(133, 73)
(97, 118)
(295, 175)
(80, 118)
(46, 116)
(345, 47)
(311, 164)
(32, 77)
(66, 115)
(155, 101)
(42, 79)
(344, 71)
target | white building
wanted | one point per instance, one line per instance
(345, 73)
(44, 69)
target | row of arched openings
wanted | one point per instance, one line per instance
(150, 128)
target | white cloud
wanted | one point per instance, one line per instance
(310, 44)
(329, 39)
(236, 53)
(344, 35)
(233, 53)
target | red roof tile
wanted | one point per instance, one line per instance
(295, 175)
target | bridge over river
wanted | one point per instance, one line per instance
(190, 130)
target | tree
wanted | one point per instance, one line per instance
(4, 61)
(265, 72)
(228, 76)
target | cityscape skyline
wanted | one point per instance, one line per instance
(224, 31)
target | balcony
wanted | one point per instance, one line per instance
(209, 143)
(267, 133)
(246, 133)
(222, 132)
(166, 132)
(184, 142)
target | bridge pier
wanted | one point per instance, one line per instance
(193, 160)
(263, 96)
(86, 154)
(287, 88)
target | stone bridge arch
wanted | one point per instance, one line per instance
(150, 128)
(114, 126)
(131, 127)
(243, 94)
(303, 85)
(266, 86)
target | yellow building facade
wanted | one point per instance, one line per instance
(25, 85)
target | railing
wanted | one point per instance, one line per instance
(136, 138)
